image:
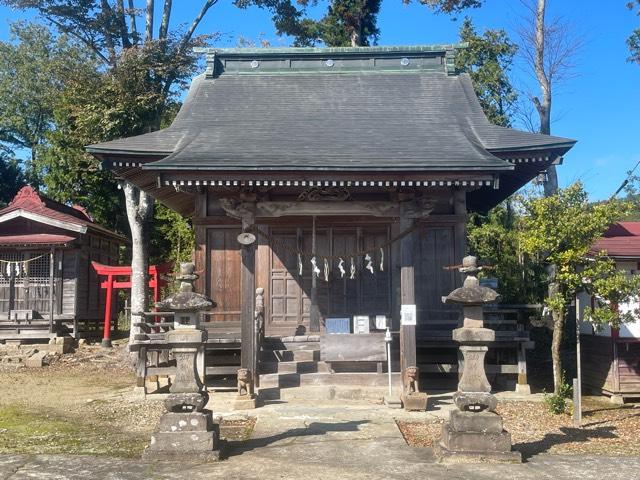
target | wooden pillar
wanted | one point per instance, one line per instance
(51, 293)
(314, 311)
(407, 295)
(460, 208)
(248, 354)
(12, 288)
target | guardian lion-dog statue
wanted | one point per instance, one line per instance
(245, 383)
(412, 398)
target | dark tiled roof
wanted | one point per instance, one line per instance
(366, 118)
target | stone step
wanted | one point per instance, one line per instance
(290, 355)
(338, 393)
(287, 380)
(294, 367)
(292, 346)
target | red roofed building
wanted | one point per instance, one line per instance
(47, 285)
(621, 242)
(611, 357)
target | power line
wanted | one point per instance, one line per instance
(625, 182)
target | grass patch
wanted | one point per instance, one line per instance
(24, 431)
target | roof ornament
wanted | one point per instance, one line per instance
(27, 195)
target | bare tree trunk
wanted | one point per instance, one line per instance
(131, 11)
(164, 25)
(139, 212)
(148, 36)
(556, 343)
(543, 104)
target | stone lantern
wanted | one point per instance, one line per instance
(186, 429)
(474, 431)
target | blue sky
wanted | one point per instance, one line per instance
(600, 107)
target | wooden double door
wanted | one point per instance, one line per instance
(288, 293)
(338, 295)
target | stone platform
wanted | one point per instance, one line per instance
(191, 436)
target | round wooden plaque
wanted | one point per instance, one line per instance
(246, 238)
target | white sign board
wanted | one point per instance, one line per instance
(361, 324)
(408, 315)
(381, 322)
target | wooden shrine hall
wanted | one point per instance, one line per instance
(350, 173)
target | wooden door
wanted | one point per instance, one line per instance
(223, 264)
(289, 303)
(290, 293)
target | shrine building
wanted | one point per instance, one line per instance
(354, 170)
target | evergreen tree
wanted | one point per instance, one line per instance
(345, 23)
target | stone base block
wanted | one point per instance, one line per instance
(37, 360)
(480, 422)
(523, 388)
(466, 335)
(447, 456)
(415, 402)
(188, 422)
(474, 442)
(392, 401)
(245, 402)
(193, 435)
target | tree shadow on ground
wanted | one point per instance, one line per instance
(566, 435)
(235, 448)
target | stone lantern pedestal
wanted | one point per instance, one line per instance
(186, 430)
(474, 432)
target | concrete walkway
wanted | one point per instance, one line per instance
(331, 441)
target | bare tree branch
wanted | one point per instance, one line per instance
(149, 21)
(107, 14)
(164, 25)
(122, 24)
(187, 36)
(88, 42)
(131, 11)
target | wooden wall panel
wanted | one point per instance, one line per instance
(435, 249)
(224, 273)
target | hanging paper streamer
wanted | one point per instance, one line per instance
(353, 269)
(341, 268)
(381, 259)
(300, 264)
(315, 268)
(326, 270)
(369, 261)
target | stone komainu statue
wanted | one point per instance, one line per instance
(245, 382)
(410, 380)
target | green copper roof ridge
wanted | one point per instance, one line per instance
(391, 49)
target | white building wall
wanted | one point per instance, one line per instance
(629, 330)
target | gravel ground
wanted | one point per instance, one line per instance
(82, 404)
(607, 429)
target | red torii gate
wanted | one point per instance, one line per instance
(111, 283)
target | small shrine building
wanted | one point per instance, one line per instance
(353, 168)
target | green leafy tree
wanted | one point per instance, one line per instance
(611, 288)
(33, 67)
(559, 230)
(11, 179)
(172, 238)
(633, 42)
(494, 239)
(345, 23)
(153, 65)
(488, 59)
